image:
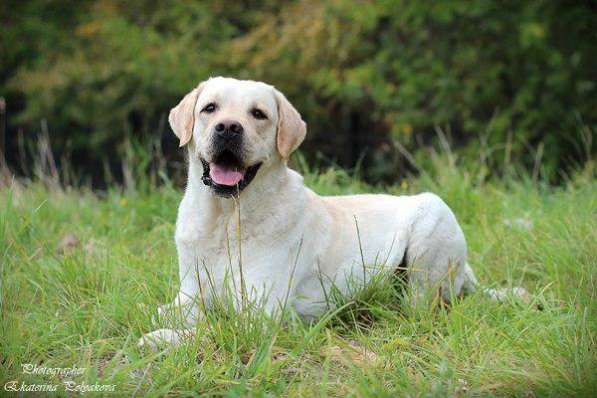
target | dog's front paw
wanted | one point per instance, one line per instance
(160, 339)
(163, 338)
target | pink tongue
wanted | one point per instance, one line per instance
(224, 176)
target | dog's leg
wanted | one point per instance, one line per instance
(270, 290)
(436, 252)
(437, 257)
(470, 285)
(181, 315)
(183, 310)
(260, 296)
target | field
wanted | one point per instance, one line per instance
(82, 273)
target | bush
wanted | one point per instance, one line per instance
(514, 78)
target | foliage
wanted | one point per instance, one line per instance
(516, 77)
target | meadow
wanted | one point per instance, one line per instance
(83, 271)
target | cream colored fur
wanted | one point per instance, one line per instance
(292, 239)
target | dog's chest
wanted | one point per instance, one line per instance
(263, 267)
(220, 247)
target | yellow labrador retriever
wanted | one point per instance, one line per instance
(293, 243)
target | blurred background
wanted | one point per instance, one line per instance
(86, 86)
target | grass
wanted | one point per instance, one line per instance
(87, 301)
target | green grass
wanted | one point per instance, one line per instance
(87, 306)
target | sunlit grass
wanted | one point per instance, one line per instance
(87, 303)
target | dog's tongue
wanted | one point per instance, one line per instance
(225, 176)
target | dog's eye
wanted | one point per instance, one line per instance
(209, 108)
(258, 114)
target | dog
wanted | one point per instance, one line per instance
(248, 225)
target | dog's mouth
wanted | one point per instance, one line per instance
(226, 174)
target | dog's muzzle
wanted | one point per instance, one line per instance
(226, 173)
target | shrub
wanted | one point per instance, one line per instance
(515, 78)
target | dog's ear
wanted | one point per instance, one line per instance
(182, 116)
(291, 128)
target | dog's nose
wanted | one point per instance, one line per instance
(229, 129)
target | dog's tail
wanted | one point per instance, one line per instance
(471, 284)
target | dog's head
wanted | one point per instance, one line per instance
(235, 127)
